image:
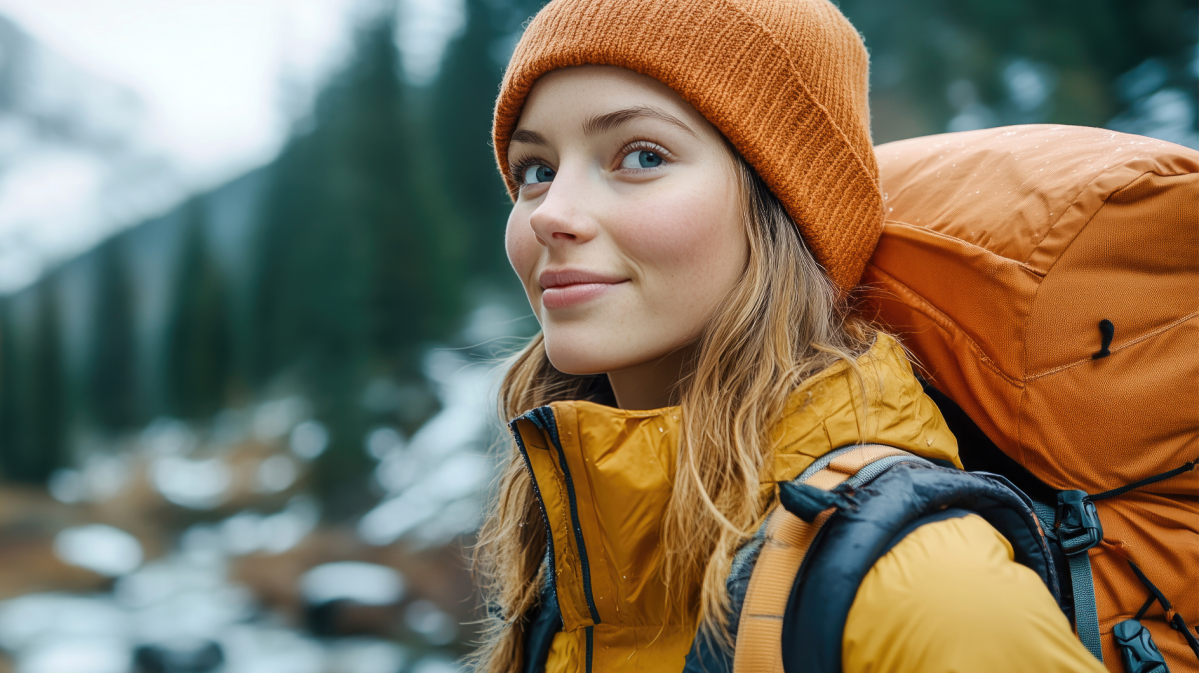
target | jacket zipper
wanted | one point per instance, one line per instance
(545, 519)
(543, 418)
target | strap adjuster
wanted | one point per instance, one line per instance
(1078, 527)
(1137, 650)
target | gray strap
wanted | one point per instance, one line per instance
(823, 461)
(1086, 615)
(865, 474)
(869, 472)
(1047, 515)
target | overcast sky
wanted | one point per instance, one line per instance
(219, 82)
(208, 71)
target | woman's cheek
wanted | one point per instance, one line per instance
(658, 232)
(522, 247)
(688, 239)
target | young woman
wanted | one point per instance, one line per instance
(695, 199)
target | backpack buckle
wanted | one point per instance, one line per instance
(1138, 652)
(807, 502)
(1078, 527)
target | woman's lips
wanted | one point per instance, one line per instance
(564, 288)
(566, 296)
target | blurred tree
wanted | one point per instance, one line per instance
(10, 386)
(464, 95)
(957, 64)
(112, 385)
(47, 412)
(357, 269)
(463, 100)
(199, 348)
(33, 391)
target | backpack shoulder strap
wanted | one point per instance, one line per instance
(542, 623)
(765, 566)
(885, 510)
(787, 540)
(792, 584)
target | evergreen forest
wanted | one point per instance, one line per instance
(378, 229)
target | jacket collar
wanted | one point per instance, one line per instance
(603, 477)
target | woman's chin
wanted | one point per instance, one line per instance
(582, 357)
(584, 346)
(576, 363)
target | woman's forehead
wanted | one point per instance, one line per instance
(595, 96)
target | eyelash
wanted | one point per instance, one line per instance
(517, 171)
(638, 145)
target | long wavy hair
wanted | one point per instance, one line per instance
(780, 324)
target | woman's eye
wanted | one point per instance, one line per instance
(538, 173)
(642, 159)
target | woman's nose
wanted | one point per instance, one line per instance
(563, 217)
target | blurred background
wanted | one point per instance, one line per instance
(253, 289)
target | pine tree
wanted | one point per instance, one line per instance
(112, 385)
(45, 448)
(33, 388)
(198, 336)
(356, 271)
(464, 96)
(919, 48)
(311, 303)
(10, 388)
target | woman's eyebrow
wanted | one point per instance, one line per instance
(610, 120)
(530, 137)
(606, 122)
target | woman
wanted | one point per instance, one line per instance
(695, 199)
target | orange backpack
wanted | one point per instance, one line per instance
(1046, 279)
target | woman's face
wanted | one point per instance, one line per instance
(628, 231)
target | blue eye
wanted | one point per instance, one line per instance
(642, 159)
(538, 173)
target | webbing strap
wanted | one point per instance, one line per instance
(760, 631)
(1086, 615)
(761, 627)
(1173, 618)
(1046, 515)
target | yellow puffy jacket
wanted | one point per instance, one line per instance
(949, 597)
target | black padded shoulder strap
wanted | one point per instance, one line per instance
(541, 625)
(854, 539)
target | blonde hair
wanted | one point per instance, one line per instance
(781, 323)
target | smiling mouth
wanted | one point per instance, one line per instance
(568, 288)
(566, 296)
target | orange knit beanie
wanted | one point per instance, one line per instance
(784, 80)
